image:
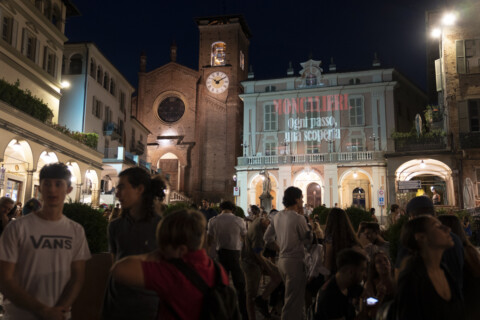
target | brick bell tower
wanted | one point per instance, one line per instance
(223, 65)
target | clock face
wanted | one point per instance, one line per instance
(217, 82)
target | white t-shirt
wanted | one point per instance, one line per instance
(228, 230)
(43, 251)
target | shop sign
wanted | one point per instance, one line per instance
(409, 185)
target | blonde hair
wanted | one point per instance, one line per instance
(184, 227)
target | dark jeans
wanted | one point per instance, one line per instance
(230, 260)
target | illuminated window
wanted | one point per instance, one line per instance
(7, 29)
(357, 115)
(270, 118)
(218, 56)
(312, 147)
(29, 48)
(242, 60)
(356, 145)
(311, 80)
(468, 56)
(270, 148)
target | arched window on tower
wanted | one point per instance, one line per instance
(218, 55)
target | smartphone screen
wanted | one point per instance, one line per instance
(371, 301)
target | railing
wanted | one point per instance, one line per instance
(420, 144)
(311, 158)
(111, 129)
(470, 140)
(145, 164)
(175, 196)
(137, 147)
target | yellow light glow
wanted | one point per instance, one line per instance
(449, 19)
(65, 84)
(436, 33)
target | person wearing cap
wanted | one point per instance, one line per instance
(453, 257)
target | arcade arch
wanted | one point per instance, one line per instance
(310, 178)
(432, 174)
(256, 189)
(355, 189)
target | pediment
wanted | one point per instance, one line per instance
(173, 67)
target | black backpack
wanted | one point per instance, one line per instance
(219, 302)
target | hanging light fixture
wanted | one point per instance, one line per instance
(355, 175)
(422, 164)
(17, 146)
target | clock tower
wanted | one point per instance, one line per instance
(223, 64)
(195, 116)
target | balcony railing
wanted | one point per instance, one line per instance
(175, 196)
(111, 129)
(420, 144)
(470, 140)
(311, 158)
(146, 165)
(137, 148)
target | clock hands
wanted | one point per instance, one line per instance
(218, 81)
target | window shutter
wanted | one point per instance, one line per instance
(94, 103)
(463, 125)
(45, 58)
(37, 50)
(14, 33)
(24, 41)
(460, 50)
(438, 74)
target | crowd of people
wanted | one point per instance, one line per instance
(282, 264)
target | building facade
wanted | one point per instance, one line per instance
(195, 116)
(98, 100)
(31, 48)
(447, 157)
(326, 133)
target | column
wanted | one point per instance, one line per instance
(331, 185)
(78, 192)
(95, 197)
(242, 184)
(181, 178)
(28, 187)
(379, 175)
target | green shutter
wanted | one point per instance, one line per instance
(463, 125)
(460, 50)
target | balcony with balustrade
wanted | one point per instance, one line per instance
(111, 129)
(316, 158)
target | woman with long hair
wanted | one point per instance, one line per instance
(380, 282)
(426, 290)
(471, 267)
(133, 233)
(339, 235)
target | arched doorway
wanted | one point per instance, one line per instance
(358, 196)
(256, 190)
(169, 167)
(430, 174)
(314, 194)
(308, 177)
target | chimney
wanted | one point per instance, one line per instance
(143, 61)
(332, 67)
(173, 51)
(376, 61)
(290, 70)
(251, 75)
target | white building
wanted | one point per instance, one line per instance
(31, 49)
(99, 101)
(325, 133)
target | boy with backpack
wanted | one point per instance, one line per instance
(190, 285)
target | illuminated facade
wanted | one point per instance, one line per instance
(31, 48)
(326, 133)
(98, 100)
(449, 162)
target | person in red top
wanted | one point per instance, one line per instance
(179, 235)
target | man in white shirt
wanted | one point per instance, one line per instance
(43, 255)
(227, 231)
(292, 233)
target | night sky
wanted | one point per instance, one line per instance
(350, 31)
